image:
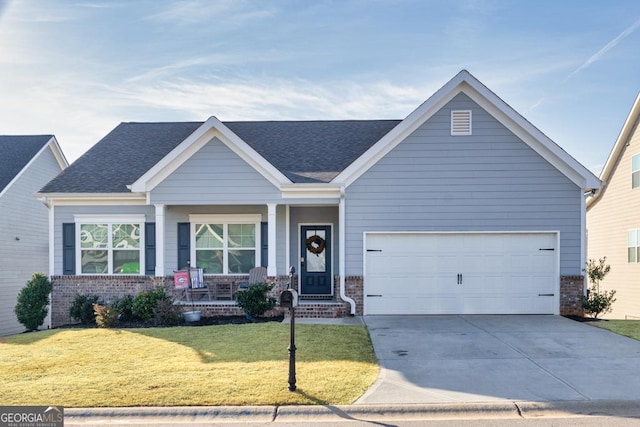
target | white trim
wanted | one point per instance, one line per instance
(225, 220)
(305, 191)
(101, 199)
(466, 83)
(212, 128)
(271, 239)
(556, 273)
(110, 219)
(236, 219)
(287, 237)
(160, 225)
(81, 220)
(299, 242)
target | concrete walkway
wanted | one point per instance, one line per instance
(448, 359)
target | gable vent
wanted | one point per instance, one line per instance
(460, 122)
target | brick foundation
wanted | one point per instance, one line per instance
(108, 288)
(571, 290)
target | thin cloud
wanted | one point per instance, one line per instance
(596, 57)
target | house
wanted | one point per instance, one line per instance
(613, 219)
(462, 207)
(26, 164)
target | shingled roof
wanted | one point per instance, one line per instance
(304, 151)
(15, 153)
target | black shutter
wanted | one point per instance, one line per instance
(264, 240)
(69, 248)
(150, 248)
(184, 244)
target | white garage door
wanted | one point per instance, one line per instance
(484, 273)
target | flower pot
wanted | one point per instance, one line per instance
(192, 316)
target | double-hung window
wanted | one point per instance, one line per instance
(633, 246)
(110, 244)
(225, 244)
(635, 171)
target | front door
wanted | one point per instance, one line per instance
(315, 260)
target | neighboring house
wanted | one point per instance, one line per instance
(613, 219)
(462, 207)
(26, 164)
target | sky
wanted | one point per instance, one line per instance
(76, 68)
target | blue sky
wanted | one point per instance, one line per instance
(78, 68)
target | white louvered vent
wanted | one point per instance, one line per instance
(460, 122)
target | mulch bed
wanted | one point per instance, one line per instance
(584, 319)
(204, 321)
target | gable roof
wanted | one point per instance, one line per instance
(16, 151)
(303, 152)
(466, 83)
(618, 147)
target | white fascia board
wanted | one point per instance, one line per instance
(52, 144)
(401, 131)
(531, 135)
(57, 153)
(210, 129)
(80, 199)
(618, 147)
(306, 191)
(466, 83)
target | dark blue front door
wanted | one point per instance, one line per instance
(315, 268)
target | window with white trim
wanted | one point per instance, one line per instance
(225, 244)
(633, 246)
(635, 171)
(110, 245)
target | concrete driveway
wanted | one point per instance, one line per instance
(447, 359)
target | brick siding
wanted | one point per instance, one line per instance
(571, 290)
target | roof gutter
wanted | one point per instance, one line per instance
(342, 233)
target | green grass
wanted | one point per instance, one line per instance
(628, 328)
(209, 365)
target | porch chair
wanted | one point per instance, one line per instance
(256, 275)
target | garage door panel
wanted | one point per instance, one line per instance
(461, 273)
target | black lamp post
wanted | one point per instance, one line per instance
(292, 343)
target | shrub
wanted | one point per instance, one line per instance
(106, 315)
(124, 306)
(33, 300)
(254, 300)
(167, 314)
(82, 308)
(597, 302)
(146, 302)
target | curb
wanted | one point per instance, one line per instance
(268, 414)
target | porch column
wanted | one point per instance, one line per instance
(159, 240)
(271, 226)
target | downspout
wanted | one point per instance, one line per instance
(341, 245)
(51, 256)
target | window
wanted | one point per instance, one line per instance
(110, 245)
(633, 246)
(225, 244)
(635, 171)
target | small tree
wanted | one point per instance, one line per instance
(597, 302)
(33, 300)
(254, 300)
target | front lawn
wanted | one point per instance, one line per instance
(207, 365)
(628, 328)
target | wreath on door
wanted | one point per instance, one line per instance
(316, 244)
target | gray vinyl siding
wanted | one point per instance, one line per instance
(65, 214)
(215, 175)
(24, 217)
(488, 181)
(318, 215)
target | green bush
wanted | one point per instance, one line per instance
(33, 300)
(167, 314)
(82, 308)
(145, 303)
(124, 306)
(106, 315)
(254, 300)
(596, 302)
